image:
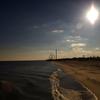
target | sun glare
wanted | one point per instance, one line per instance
(92, 15)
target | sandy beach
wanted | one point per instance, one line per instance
(86, 72)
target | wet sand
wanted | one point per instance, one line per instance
(87, 73)
(64, 87)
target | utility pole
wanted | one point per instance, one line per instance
(56, 53)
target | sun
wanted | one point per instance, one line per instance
(92, 15)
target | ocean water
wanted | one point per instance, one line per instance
(30, 79)
(38, 80)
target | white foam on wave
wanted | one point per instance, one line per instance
(60, 93)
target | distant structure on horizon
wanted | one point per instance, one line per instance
(56, 53)
(53, 56)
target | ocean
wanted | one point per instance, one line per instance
(38, 80)
(30, 79)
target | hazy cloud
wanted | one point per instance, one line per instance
(97, 49)
(76, 39)
(78, 45)
(71, 41)
(58, 31)
(79, 26)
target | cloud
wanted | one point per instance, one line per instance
(97, 49)
(78, 49)
(71, 41)
(73, 31)
(58, 31)
(74, 39)
(79, 26)
(78, 45)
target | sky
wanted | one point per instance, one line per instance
(33, 29)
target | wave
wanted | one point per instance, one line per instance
(61, 93)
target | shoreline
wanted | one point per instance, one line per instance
(81, 77)
(74, 90)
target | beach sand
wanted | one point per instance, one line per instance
(86, 72)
